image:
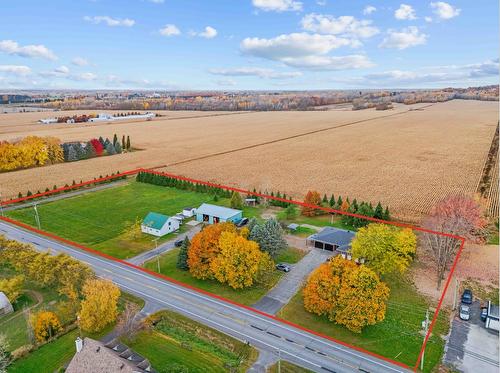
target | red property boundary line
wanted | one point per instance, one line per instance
(133, 172)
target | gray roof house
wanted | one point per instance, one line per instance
(217, 214)
(5, 305)
(114, 357)
(333, 239)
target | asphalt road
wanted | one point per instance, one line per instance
(292, 344)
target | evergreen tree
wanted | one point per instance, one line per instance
(216, 197)
(379, 211)
(89, 150)
(387, 215)
(128, 142)
(182, 257)
(332, 201)
(101, 140)
(269, 236)
(72, 154)
(118, 149)
(106, 143)
(252, 224)
(110, 149)
(324, 201)
(80, 152)
(19, 195)
(236, 201)
(339, 203)
(115, 139)
(124, 144)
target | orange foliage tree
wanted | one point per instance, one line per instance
(312, 198)
(204, 248)
(47, 325)
(237, 263)
(346, 293)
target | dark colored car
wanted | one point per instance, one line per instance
(242, 222)
(178, 243)
(467, 296)
(484, 313)
(282, 267)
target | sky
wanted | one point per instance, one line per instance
(247, 44)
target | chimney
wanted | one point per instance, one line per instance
(79, 344)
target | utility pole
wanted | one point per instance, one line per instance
(157, 254)
(425, 325)
(37, 217)
(279, 360)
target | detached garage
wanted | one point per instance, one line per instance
(158, 224)
(492, 319)
(213, 214)
(332, 239)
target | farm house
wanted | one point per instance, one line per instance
(212, 214)
(159, 224)
(332, 239)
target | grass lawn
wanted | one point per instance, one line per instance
(291, 255)
(397, 337)
(98, 219)
(178, 342)
(286, 367)
(318, 221)
(303, 232)
(246, 296)
(493, 238)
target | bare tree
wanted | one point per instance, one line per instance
(455, 215)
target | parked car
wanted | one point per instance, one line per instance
(467, 296)
(484, 313)
(242, 222)
(464, 312)
(178, 243)
(283, 267)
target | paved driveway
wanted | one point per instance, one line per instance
(291, 282)
(471, 347)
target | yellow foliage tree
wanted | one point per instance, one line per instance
(347, 294)
(385, 248)
(238, 261)
(204, 248)
(99, 306)
(12, 287)
(46, 326)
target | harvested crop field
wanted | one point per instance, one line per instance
(407, 158)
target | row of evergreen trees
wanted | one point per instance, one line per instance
(270, 201)
(156, 179)
(76, 151)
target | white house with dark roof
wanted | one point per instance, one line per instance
(212, 214)
(159, 224)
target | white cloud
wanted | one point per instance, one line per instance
(170, 30)
(407, 37)
(428, 19)
(455, 74)
(369, 9)
(444, 10)
(79, 61)
(30, 51)
(117, 82)
(62, 69)
(321, 2)
(113, 22)
(405, 12)
(347, 26)
(19, 70)
(226, 82)
(303, 50)
(208, 33)
(255, 71)
(83, 76)
(277, 5)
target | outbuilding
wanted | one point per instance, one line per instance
(5, 305)
(492, 318)
(188, 212)
(159, 224)
(213, 214)
(332, 239)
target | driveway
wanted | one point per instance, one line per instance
(471, 347)
(291, 282)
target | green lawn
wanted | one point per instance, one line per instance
(98, 219)
(286, 367)
(397, 337)
(318, 221)
(303, 232)
(178, 342)
(291, 255)
(246, 296)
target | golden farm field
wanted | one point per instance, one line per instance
(407, 158)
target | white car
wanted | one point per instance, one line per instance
(464, 312)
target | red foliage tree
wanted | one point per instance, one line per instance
(312, 198)
(97, 146)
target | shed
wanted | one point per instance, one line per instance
(293, 227)
(188, 211)
(332, 239)
(159, 224)
(5, 305)
(492, 318)
(212, 214)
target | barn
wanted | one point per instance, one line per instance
(159, 224)
(332, 239)
(212, 214)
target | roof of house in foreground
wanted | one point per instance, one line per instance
(114, 357)
(333, 236)
(4, 301)
(155, 220)
(219, 211)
